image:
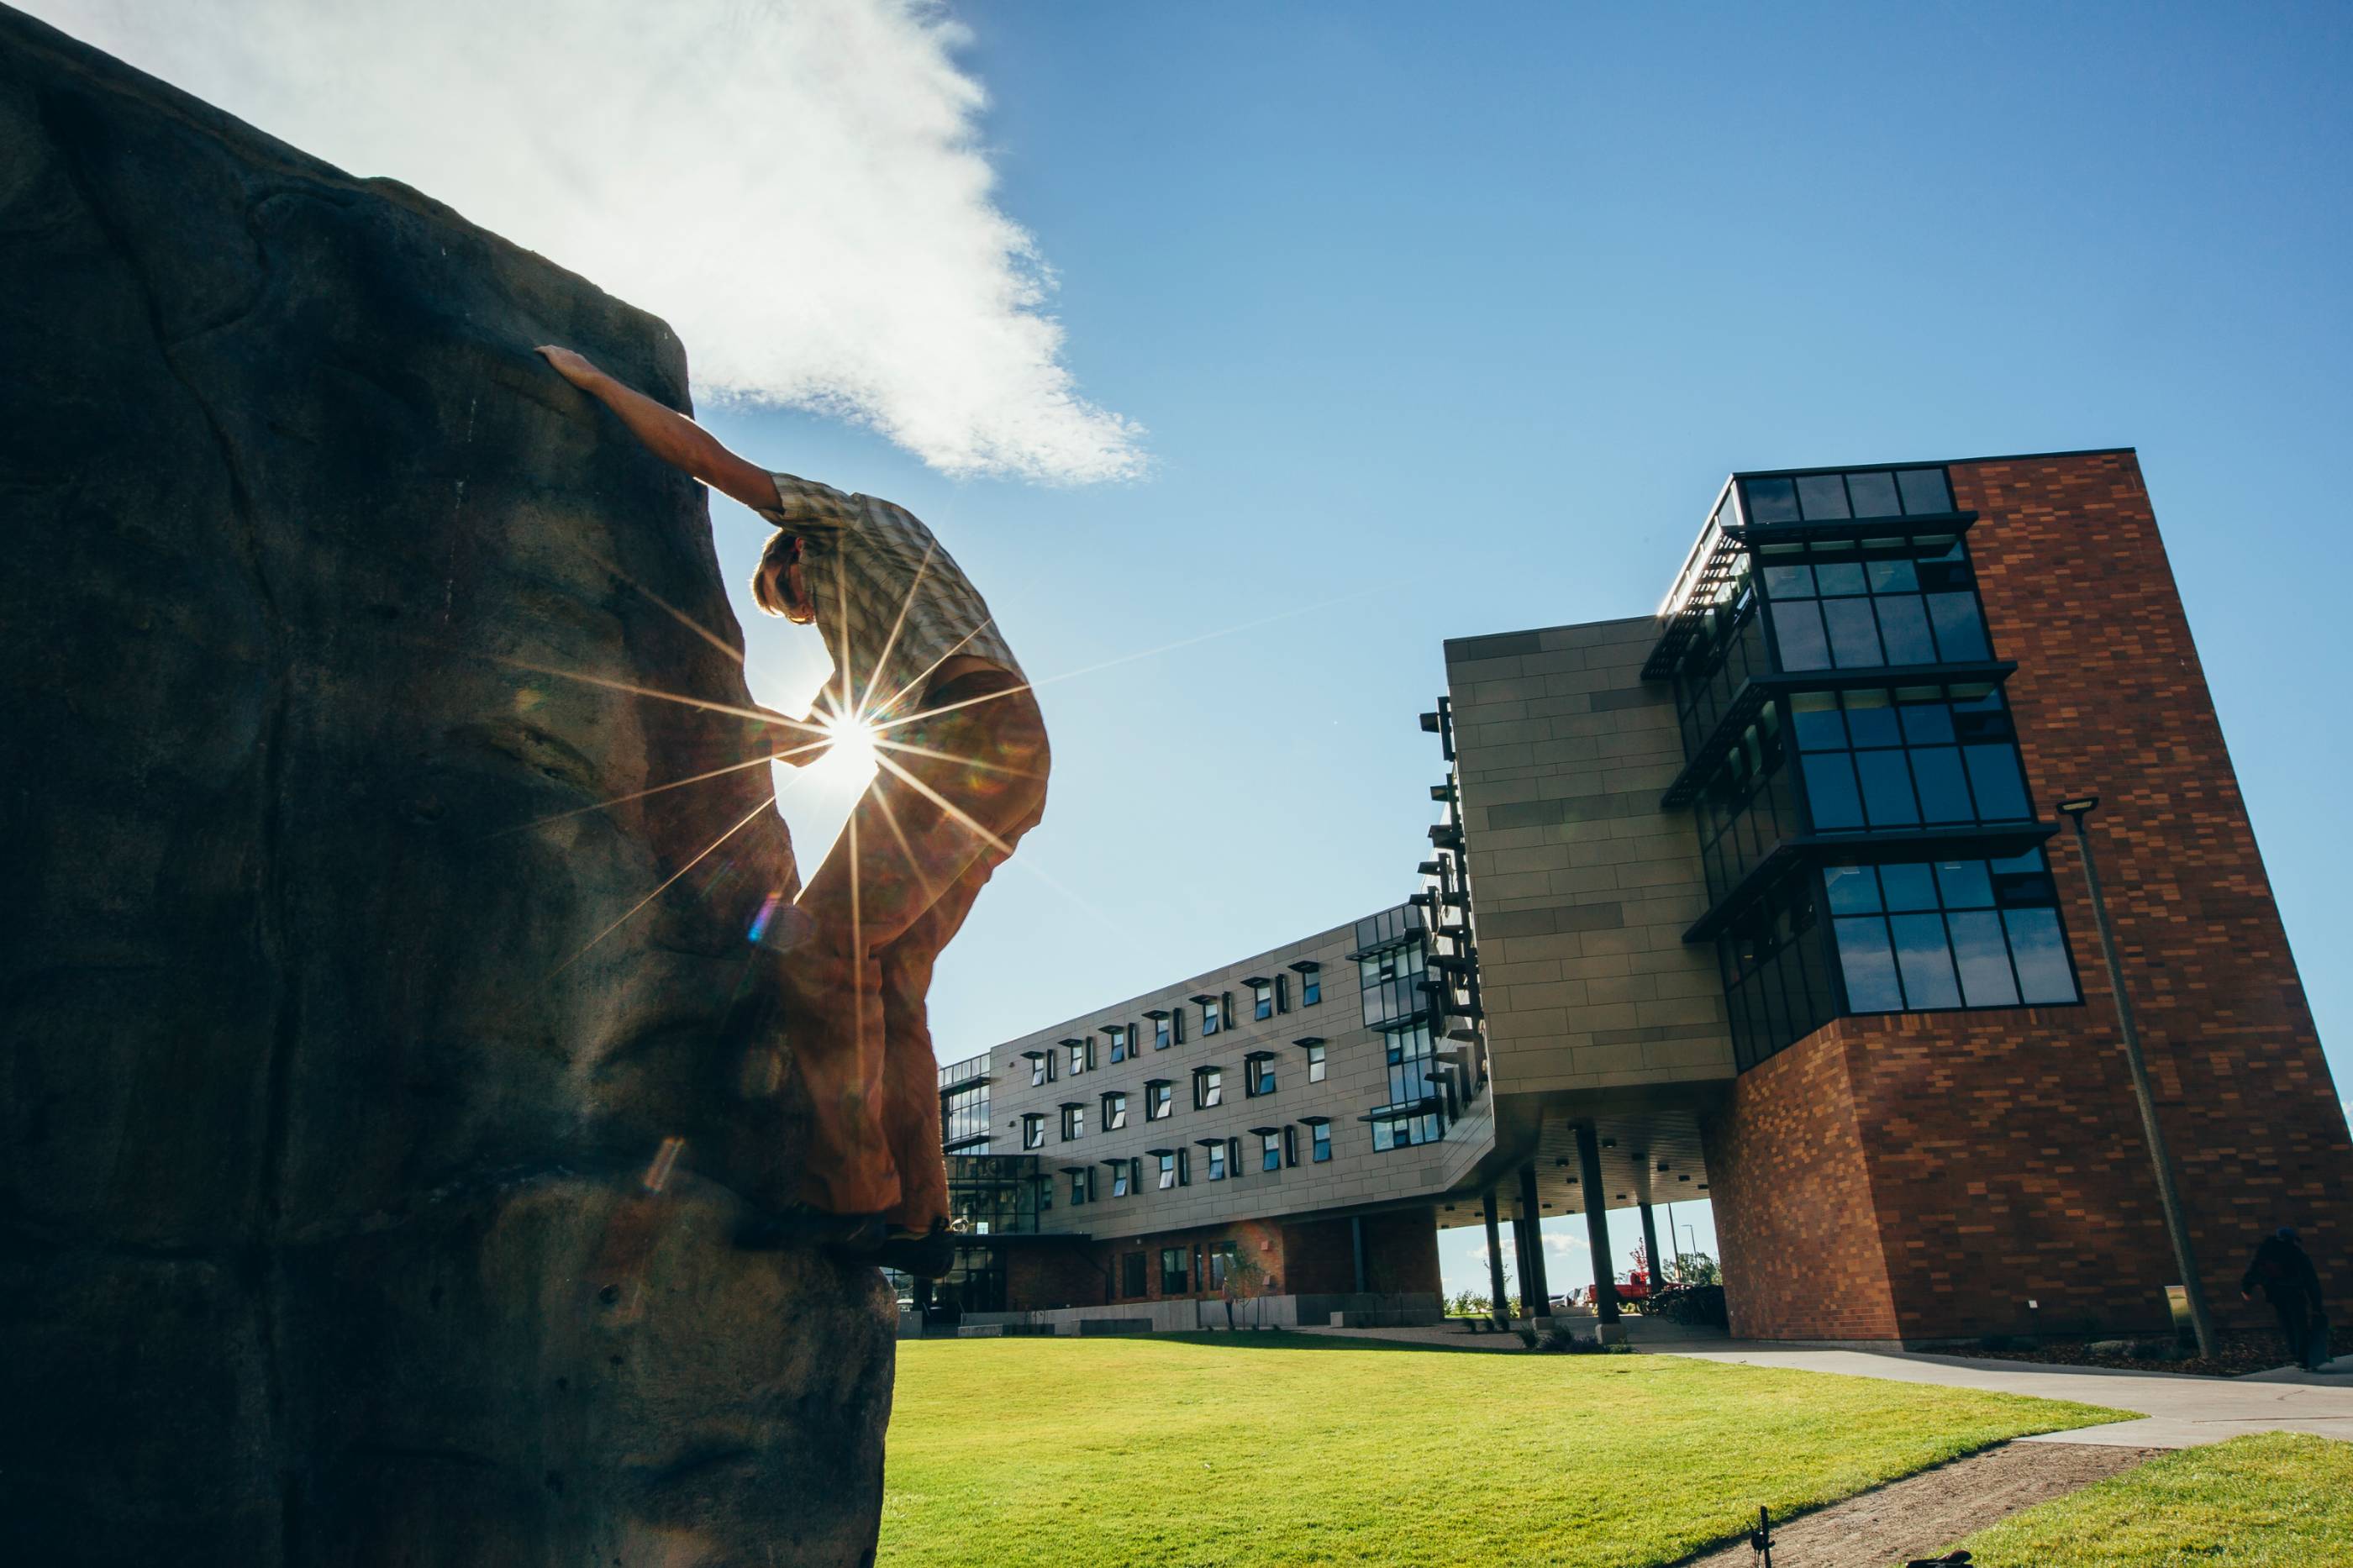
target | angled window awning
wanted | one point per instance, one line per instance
(1155, 1011)
(1306, 1040)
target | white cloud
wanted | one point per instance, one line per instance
(1563, 1245)
(796, 186)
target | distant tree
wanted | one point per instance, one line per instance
(1245, 1279)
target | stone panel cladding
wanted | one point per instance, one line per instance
(1581, 886)
(2002, 1149)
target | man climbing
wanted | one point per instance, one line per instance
(962, 760)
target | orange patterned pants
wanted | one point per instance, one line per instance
(894, 890)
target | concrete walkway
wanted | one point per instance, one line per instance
(2176, 1412)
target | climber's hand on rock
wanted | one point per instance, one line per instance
(573, 367)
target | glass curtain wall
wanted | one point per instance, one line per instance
(1862, 760)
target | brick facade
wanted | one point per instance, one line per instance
(1998, 1155)
(1310, 1258)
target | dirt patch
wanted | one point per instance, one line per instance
(2239, 1354)
(1922, 1515)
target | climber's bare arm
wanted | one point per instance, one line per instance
(667, 434)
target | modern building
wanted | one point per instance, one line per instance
(1762, 898)
(1297, 1119)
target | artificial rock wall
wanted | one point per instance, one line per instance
(336, 1219)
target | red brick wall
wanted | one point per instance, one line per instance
(1400, 1254)
(2001, 1151)
(1792, 1194)
(1054, 1276)
(1077, 1274)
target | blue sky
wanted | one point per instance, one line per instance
(1440, 327)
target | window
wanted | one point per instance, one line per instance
(1222, 1259)
(1173, 1270)
(1082, 1054)
(1168, 1158)
(1778, 978)
(1257, 1074)
(1310, 983)
(1908, 757)
(1213, 1017)
(1282, 992)
(1748, 806)
(963, 1118)
(1209, 1088)
(1290, 1145)
(1316, 1062)
(1164, 1030)
(1270, 1151)
(1041, 1068)
(1392, 981)
(1082, 1185)
(1841, 606)
(1126, 1177)
(1261, 998)
(1411, 1057)
(1833, 498)
(1074, 1121)
(1320, 1136)
(1123, 1040)
(1159, 1099)
(1131, 1275)
(1033, 1130)
(1217, 1162)
(1114, 1111)
(1950, 933)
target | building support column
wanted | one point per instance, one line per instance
(1651, 1243)
(1356, 1251)
(1538, 1299)
(1596, 1232)
(1498, 1305)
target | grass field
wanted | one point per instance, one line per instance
(1288, 1448)
(2276, 1499)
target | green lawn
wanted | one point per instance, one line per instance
(1298, 1449)
(2276, 1499)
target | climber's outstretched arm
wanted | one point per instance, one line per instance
(667, 434)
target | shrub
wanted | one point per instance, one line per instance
(1699, 1305)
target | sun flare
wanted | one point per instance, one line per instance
(848, 756)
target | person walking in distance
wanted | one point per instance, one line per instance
(923, 674)
(2285, 1270)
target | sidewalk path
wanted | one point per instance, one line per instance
(2177, 1412)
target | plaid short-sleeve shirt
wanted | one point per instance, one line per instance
(890, 604)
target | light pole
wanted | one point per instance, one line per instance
(2075, 810)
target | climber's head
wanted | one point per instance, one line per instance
(778, 585)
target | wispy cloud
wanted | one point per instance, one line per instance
(797, 186)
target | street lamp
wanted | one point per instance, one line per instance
(2075, 810)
